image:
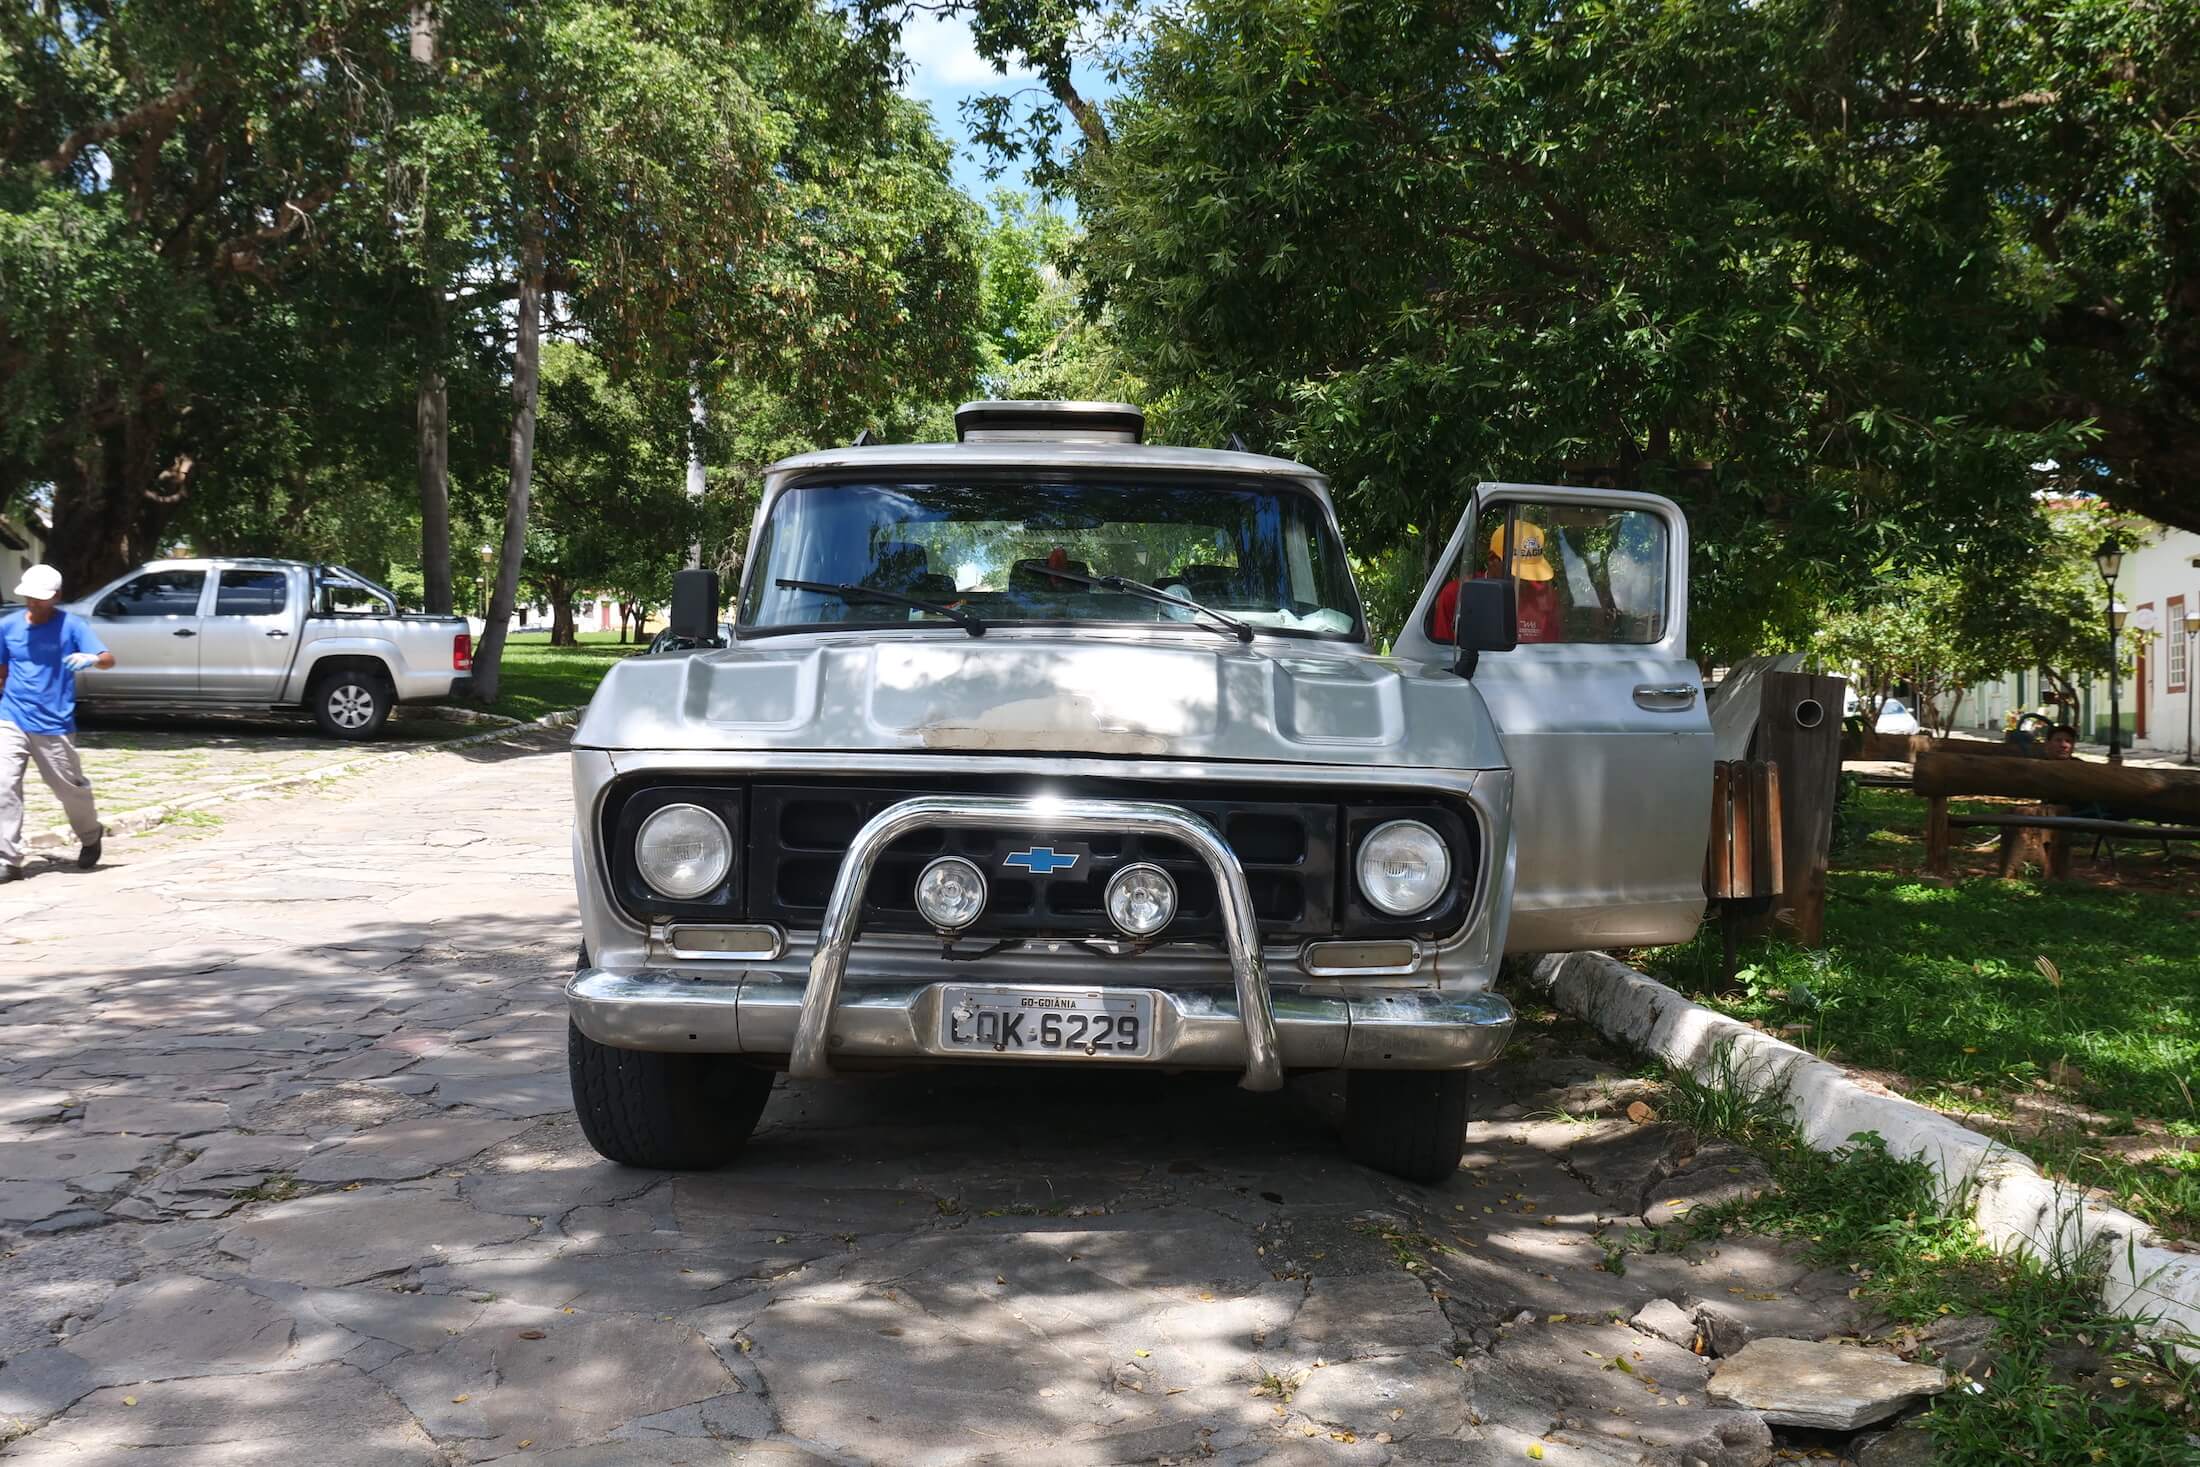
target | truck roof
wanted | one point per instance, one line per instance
(1043, 454)
(202, 562)
(1045, 433)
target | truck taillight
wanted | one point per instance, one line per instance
(462, 652)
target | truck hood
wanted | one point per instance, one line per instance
(1015, 693)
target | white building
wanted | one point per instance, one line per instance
(2158, 584)
(22, 545)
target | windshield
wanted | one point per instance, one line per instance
(1262, 553)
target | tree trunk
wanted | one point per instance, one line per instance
(526, 373)
(432, 414)
(2148, 793)
(1947, 724)
(561, 613)
(110, 510)
(434, 424)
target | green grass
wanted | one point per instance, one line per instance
(539, 678)
(1990, 995)
(1877, 1216)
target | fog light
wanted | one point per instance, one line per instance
(1141, 899)
(950, 893)
(1404, 868)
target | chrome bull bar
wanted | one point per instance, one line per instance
(1240, 928)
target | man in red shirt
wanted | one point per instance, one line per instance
(1535, 593)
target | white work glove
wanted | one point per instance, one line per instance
(78, 661)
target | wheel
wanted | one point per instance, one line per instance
(1410, 1123)
(350, 703)
(667, 1112)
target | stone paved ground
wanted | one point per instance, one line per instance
(287, 1175)
(151, 759)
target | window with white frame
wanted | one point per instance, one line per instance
(2180, 646)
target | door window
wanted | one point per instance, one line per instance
(1582, 573)
(156, 593)
(251, 593)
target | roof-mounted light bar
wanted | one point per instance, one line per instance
(1049, 421)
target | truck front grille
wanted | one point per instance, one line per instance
(799, 833)
(1294, 843)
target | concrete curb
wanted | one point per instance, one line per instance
(145, 817)
(2014, 1206)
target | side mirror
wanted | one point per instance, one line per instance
(1487, 620)
(695, 606)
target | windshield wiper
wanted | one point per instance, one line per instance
(1231, 626)
(969, 621)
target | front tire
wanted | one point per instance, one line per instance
(351, 704)
(1410, 1123)
(665, 1112)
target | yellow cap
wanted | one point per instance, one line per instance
(1528, 562)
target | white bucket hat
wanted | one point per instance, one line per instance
(39, 583)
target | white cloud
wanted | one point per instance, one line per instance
(944, 58)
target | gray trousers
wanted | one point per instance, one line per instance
(55, 756)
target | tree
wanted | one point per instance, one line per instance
(2043, 609)
(1834, 276)
(612, 512)
(717, 188)
(170, 177)
(2026, 600)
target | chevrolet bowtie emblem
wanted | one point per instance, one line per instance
(1042, 860)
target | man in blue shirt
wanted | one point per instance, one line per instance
(42, 649)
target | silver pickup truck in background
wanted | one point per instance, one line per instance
(282, 634)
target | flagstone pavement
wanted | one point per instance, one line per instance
(288, 1175)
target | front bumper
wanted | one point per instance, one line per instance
(1194, 1028)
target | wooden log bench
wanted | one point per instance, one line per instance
(2161, 797)
(2052, 855)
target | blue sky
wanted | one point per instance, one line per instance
(944, 69)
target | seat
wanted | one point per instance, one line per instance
(897, 565)
(1208, 582)
(1036, 575)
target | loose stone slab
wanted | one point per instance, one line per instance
(1718, 1174)
(63, 1157)
(29, 1202)
(1668, 1321)
(1541, 1373)
(181, 1326)
(1809, 1383)
(1619, 1159)
(331, 1416)
(407, 1149)
(1354, 1316)
(554, 1387)
(137, 1116)
(343, 1237)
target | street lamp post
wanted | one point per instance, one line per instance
(2108, 560)
(2191, 631)
(488, 552)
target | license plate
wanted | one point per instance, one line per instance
(1046, 1022)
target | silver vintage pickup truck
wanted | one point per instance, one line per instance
(234, 634)
(1053, 746)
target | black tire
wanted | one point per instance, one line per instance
(1410, 1123)
(351, 703)
(666, 1112)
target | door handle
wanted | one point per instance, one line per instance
(183, 632)
(278, 632)
(1665, 697)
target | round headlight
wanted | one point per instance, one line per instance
(1404, 868)
(950, 893)
(683, 851)
(1141, 899)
